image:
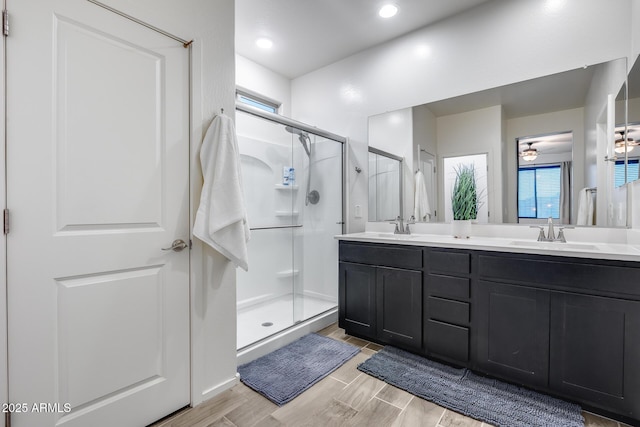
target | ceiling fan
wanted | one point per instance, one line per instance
(529, 154)
(621, 146)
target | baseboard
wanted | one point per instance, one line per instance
(217, 389)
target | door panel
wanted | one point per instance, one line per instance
(513, 332)
(97, 182)
(399, 306)
(595, 349)
(105, 147)
(357, 294)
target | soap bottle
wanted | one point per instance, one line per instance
(292, 176)
(285, 175)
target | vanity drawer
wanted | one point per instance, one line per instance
(617, 277)
(447, 310)
(384, 255)
(448, 286)
(448, 262)
(448, 341)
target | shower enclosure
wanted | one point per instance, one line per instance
(292, 179)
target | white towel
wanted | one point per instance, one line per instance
(585, 208)
(421, 210)
(221, 220)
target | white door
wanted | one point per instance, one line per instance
(97, 184)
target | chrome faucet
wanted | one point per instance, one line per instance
(551, 234)
(401, 228)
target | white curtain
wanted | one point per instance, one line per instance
(565, 193)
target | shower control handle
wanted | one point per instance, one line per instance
(177, 246)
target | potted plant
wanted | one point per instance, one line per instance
(464, 200)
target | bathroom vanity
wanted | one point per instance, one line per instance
(566, 321)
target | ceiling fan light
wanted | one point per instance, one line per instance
(621, 143)
(529, 155)
(620, 147)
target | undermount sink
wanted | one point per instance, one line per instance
(555, 245)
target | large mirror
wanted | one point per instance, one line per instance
(632, 130)
(546, 141)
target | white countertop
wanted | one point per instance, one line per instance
(580, 249)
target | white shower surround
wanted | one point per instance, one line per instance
(296, 264)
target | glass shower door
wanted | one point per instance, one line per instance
(265, 292)
(292, 181)
(315, 249)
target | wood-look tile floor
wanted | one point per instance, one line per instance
(347, 397)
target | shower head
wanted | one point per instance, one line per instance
(302, 136)
(295, 131)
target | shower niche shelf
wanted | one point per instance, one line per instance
(287, 213)
(285, 274)
(286, 187)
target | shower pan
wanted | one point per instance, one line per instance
(293, 272)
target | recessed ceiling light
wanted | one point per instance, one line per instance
(264, 43)
(388, 10)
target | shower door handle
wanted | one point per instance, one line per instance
(177, 246)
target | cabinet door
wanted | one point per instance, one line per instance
(357, 299)
(399, 307)
(595, 351)
(513, 332)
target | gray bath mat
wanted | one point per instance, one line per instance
(283, 374)
(484, 399)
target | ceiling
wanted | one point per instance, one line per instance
(556, 92)
(310, 34)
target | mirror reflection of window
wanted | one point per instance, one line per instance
(544, 177)
(539, 192)
(385, 186)
(632, 133)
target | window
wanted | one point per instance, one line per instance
(632, 171)
(539, 192)
(257, 101)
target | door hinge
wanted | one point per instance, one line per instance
(6, 221)
(5, 22)
(190, 244)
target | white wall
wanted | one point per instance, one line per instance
(213, 315)
(634, 192)
(474, 132)
(393, 132)
(558, 121)
(599, 122)
(425, 135)
(488, 46)
(263, 81)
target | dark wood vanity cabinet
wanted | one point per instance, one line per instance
(567, 326)
(380, 293)
(595, 350)
(357, 299)
(512, 325)
(447, 311)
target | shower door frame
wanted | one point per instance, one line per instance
(285, 121)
